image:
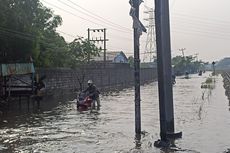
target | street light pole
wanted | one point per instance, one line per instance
(213, 67)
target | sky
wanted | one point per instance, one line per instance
(201, 27)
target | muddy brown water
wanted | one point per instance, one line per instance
(201, 114)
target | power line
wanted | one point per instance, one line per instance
(6, 33)
(213, 29)
(199, 18)
(69, 12)
(70, 35)
(82, 12)
(99, 17)
(198, 23)
(202, 30)
(82, 17)
(198, 29)
(209, 35)
(126, 38)
(31, 36)
(172, 4)
(116, 48)
(17, 32)
(9, 33)
(185, 15)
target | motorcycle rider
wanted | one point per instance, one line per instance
(93, 93)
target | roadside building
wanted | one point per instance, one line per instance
(112, 57)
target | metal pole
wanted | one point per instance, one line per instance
(104, 47)
(213, 67)
(164, 69)
(137, 74)
(88, 34)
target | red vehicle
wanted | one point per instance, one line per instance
(84, 102)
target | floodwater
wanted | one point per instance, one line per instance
(201, 114)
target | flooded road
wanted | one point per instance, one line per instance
(201, 114)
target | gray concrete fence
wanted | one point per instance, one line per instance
(104, 78)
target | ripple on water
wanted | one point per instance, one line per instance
(111, 129)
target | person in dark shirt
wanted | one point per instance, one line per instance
(93, 93)
(173, 79)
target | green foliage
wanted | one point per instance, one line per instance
(188, 63)
(22, 28)
(209, 83)
(131, 61)
(209, 80)
(28, 29)
(53, 51)
(81, 51)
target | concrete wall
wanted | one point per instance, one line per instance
(62, 84)
(104, 78)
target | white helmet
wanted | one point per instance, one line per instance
(90, 81)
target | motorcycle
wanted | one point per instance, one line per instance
(84, 102)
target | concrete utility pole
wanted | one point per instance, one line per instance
(164, 74)
(184, 58)
(182, 50)
(103, 40)
(137, 73)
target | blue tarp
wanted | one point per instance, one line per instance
(17, 68)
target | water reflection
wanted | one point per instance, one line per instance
(202, 115)
(138, 141)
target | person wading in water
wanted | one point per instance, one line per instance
(93, 93)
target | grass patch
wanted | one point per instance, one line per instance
(209, 83)
(209, 80)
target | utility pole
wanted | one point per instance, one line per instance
(138, 28)
(184, 59)
(137, 74)
(103, 40)
(196, 56)
(167, 131)
(182, 50)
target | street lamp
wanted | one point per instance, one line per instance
(213, 67)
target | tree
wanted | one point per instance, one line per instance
(27, 29)
(81, 51)
(188, 63)
(131, 61)
(54, 51)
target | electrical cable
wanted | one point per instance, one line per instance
(93, 15)
(113, 28)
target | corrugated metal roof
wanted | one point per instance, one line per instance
(17, 68)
